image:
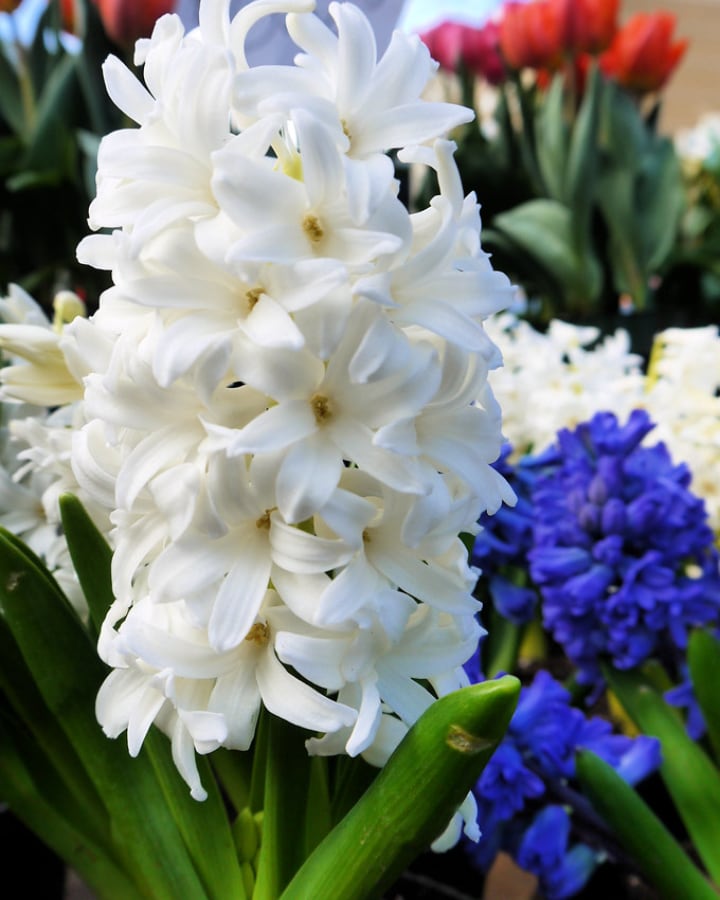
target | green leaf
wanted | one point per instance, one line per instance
(91, 557)
(660, 201)
(501, 646)
(690, 777)
(26, 798)
(544, 230)
(623, 135)
(204, 825)
(412, 798)
(68, 673)
(51, 144)
(642, 835)
(615, 199)
(525, 137)
(102, 117)
(704, 662)
(552, 139)
(582, 163)
(83, 805)
(11, 107)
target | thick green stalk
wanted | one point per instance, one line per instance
(413, 798)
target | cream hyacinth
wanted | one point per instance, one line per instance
(279, 391)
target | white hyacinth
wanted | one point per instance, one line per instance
(35, 439)
(280, 390)
(560, 377)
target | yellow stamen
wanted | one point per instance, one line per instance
(264, 520)
(259, 634)
(321, 408)
(252, 296)
(312, 228)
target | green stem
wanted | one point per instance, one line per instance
(286, 795)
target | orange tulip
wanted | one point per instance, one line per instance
(643, 55)
(8, 6)
(125, 21)
(531, 34)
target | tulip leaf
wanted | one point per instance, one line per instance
(641, 834)
(660, 201)
(580, 177)
(689, 775)
(616, 191)
(640, 193)
(68, 672)
(552, 139)
(51, 147)
(543, 229)
(413, 796)
(704, 663)
(11, 108)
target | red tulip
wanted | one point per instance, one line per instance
(643, 55)
(453, 43)
(481, 52)
(125, 21)
(444, 42)
(588, 25)
(531, 34)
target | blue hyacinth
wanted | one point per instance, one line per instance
(501, 547)
(622, 551)
(527, 803)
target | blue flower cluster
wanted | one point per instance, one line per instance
(622, 551)
(527, 804)
(501, 547)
